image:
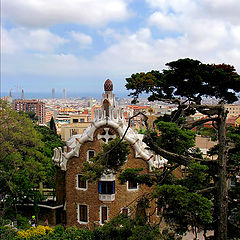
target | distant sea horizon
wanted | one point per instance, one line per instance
(46, 95)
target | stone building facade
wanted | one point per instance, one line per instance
(89, 204)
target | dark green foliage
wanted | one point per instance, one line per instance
(197, 178)
(109, 160)
(133, 174)
(234, 153)
(70, 233)
(122, 228)
(181, 207)
(187, 78)
(20, 159)
(22, 222)
(234, 211)
(7, 233)
(25, 159)
(175, 139)
(50, 141)
(234, 192)
(53, 126)
(151, 82)
(32, 115)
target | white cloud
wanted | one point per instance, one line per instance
(176, 6)
(22, 39)
(143, 34)
(164, 21)
(83, 39)
(42, 13)
(134, 52)
(183, 29)
(210, 9)
(235, 34)
(227, 10)
(208, 29)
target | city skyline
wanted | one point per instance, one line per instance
(55, 44)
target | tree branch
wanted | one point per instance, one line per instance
(209, 189)
(177, 158)
(166, 172)
(198, 122)
(207, 109)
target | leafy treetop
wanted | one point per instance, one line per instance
(187, 78)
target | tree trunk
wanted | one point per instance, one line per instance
(221, 197)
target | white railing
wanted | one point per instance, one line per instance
(106, 197)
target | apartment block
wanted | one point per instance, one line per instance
(33, 105)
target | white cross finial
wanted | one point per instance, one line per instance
(106, 136)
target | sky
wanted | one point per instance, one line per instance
(78, 44)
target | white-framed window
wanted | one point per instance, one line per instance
(132, 186)
(82, 184)
(82, 213)
(90, 153)
(104, 212)
(125, 211)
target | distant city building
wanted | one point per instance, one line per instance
(53, 92)
(31, 106)
(48, 115)
(64, 93)
(78, 123)
(237, 122)
(22, 94)
(233, 110)
(91, 102)
(7, 99)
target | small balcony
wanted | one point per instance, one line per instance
(106, 197)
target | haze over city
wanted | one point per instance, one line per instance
(78, 44)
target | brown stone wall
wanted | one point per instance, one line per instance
(90, 197)
(60, 186)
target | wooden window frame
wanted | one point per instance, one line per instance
(83, 213)
(103, 221)
(77, 182)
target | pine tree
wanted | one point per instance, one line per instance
(53, 125)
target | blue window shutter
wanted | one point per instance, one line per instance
(113, 186)
(99, 187)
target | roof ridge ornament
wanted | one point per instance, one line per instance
(108, 86)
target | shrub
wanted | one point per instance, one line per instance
(35, 232)
(7, 233)
(22, 222)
